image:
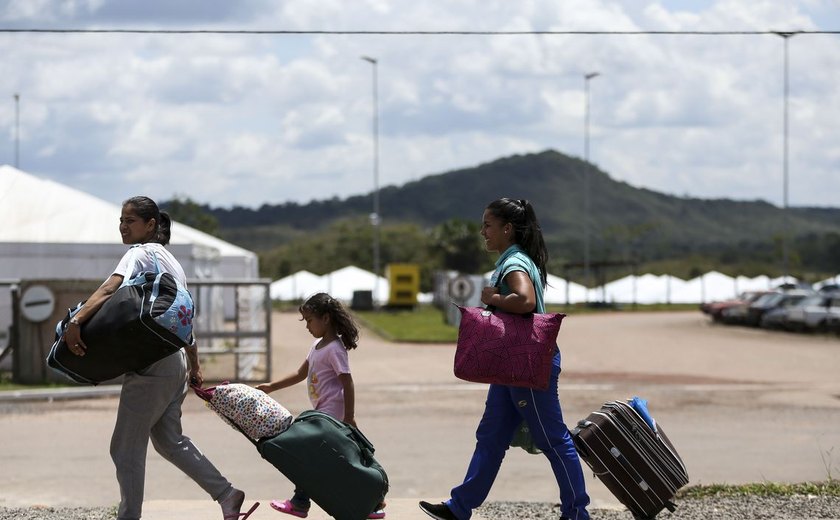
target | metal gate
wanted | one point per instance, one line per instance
(232, 327)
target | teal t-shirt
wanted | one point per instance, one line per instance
(516, 259)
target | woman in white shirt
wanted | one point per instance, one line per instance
(150, 401)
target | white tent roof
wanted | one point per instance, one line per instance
(559, 291)
(297, 286)
(759, 283)
(650, 288)
(835, 280)
(343, 282)
(35, 210)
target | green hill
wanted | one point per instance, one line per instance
(554, 183)
(434, 222)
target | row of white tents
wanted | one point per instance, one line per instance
(642, 289)
(54, 231)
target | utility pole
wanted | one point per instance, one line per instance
(17, 130)
(586, 225)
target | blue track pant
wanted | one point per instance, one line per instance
(504, 411)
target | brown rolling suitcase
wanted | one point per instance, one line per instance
(634, 459)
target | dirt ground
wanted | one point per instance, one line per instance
(740, 405)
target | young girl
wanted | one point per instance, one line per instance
(327, 373)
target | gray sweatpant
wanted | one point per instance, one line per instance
(150, 407)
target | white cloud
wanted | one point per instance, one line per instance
(252, 119)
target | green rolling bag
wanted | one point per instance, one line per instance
(332, 462)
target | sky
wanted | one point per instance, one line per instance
(248, 119)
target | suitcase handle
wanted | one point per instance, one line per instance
(363, 442)
(353, 433)
(629, 468)
(583, 423)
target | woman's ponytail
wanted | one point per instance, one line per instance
(527, 231)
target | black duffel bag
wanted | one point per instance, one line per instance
(146, 319)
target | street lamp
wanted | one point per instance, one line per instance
(374, 217)
(785, 256)
(586, 79)
(17, 131)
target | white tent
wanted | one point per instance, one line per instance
(649, 288)
(681, 291)
(781, 280)
(627, 289)
(559, 291)
(835, 280)
(759, 283)
(714, 286)
(297, 286)
(343, 282)
(52, 231)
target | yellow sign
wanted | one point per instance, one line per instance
(404, 280)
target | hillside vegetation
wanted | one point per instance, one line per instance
(431, 220)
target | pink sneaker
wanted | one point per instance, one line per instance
(287, 507)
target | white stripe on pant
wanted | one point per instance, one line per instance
(504, 411)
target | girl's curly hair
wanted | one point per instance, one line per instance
(322, 304)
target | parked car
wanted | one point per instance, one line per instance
(776, 318)
(773, 300)
(736, 313)
(832, 324)
(715, 309)
(814, 312)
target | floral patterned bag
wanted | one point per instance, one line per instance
(251, 411)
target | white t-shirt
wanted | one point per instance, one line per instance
(141, 258)
(326, 393)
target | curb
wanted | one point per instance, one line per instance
(57, 394)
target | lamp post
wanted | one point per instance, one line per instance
(17, 131)
(374, 217)
(786, 225)
(586, 79)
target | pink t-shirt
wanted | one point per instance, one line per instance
(326, 393)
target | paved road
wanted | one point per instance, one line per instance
(741, 405)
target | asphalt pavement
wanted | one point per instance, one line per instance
(740, 405)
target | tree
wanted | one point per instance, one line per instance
(458, 245)
(189, 213)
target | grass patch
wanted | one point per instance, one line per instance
(6, 384)
(829, 487)
(427, 323)
(424, 323)
(583, 308)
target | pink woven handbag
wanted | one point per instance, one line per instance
(506, 349)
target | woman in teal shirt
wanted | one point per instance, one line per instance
(510, 228)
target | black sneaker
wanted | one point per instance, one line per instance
(440, 511)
